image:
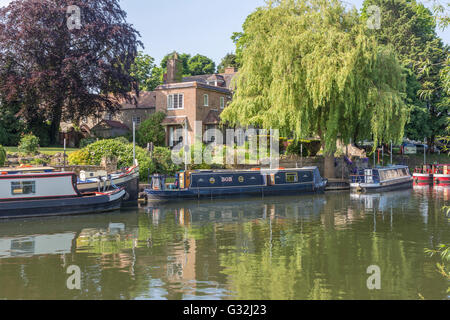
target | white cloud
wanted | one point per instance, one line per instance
(4, 2)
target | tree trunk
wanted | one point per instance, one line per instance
(54, 127)
(328, 162)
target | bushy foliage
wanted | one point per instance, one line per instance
(93, 154)
(87, 141)
(151, 130)
(2, 155)
(29, 144)
(310, 147)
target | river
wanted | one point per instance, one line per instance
(296, 247)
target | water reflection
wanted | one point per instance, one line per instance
(308, 247)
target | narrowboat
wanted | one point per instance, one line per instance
(381, 179)
(128, 179)
(51, 193)
(441, 176)
(423, 175)
(92, 181)
(223, 183)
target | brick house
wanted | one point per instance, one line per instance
(183, 100)
(190, 99)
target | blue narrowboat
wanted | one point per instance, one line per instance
(222, 183)
(381, 179)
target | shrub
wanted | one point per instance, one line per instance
(93, 154)
(87, 141)
(29, 144)
(151, 130)
(310, 147)
(2, 155)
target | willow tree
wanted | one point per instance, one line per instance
(312, 68)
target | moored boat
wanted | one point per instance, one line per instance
(51, 193)
(441, 176)
(127, 179)
(381, 179)
(224, 183)
(423, 175)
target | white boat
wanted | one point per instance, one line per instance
(51, 193)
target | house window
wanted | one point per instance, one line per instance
(23, 187)
(222, 102)
(205, 100)
(175, 101)
(136, 119)
(108, 116)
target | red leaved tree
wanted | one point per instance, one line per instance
(61, 60)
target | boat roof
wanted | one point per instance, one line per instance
(26, 169)
(396, 166)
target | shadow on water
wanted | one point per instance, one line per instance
(296, 247)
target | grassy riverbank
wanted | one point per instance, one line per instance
(49, 150)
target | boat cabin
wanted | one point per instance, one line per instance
(380, 175)
(18, 186)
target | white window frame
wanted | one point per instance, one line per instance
(175, 101)
(136, 119)
(222, 102)
(206, 100)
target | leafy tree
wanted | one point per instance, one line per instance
(29, 144)
(11, 127)
(230, 60)
(151, 130)
(410, 28)
(311, 67)
(146, 72)
(64, 73)
(199, 64)
(183, 57)
(2, 155)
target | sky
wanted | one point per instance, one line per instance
(195, 26)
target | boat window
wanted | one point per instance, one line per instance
(292, 177)
(23, 187)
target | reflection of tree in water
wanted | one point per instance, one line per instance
(283, 248)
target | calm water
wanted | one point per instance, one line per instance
(300, 247)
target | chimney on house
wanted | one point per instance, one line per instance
(174, 69)
(230, 70)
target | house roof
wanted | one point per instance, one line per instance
(197, 84)
(173, 121)
(110, 124)
(227, 77)
(146, 100)
(212, 117)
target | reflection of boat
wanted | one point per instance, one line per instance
(381, 179)
(384, 200)
(229, 210)
(26, 246)
(51, 193)
(203, 183)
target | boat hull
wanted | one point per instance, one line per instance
(441, 180)
(62, 206)
(423, 179)
(376, 187)
(197, 193)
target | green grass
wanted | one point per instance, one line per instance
(49, 150)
